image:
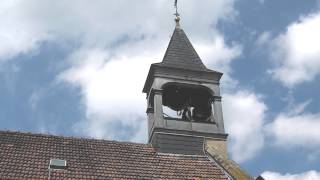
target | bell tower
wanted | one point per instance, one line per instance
(183, 100)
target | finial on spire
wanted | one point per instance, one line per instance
(177, 19)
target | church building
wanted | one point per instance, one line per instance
(186, 135)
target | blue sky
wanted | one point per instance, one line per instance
(77, 68)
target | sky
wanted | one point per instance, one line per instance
(77, 68)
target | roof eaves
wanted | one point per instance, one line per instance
(20, 133)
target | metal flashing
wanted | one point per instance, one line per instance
(57, 164)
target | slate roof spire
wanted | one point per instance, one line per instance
(180, 60)
(180, 52)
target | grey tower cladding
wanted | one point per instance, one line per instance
(182, 85)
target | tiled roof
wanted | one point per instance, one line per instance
(26, 156)
(180, 53)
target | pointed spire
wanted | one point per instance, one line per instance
(181, 54)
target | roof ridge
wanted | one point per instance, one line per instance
(37, 134)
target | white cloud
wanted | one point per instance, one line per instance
(117, 40)
(244, 114)
(112, 88)
(309, 175)
(218, 56)
(111, 79)
(26, 24)
(296, 52)
(18, 34)
(296, 128)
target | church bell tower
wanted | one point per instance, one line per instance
(183, 101)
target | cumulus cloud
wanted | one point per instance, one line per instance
(116, 41)
(112, 89)
(296, 128)
(296, 52)
(244, 114)
(218, 56)
(111, 82)
(111, 78)
(309, 175)
(114, 44)
(25, 25)
(18, 34)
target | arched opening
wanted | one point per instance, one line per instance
(187, 102)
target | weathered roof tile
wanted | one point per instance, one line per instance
(27, 156)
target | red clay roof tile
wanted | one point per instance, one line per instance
(27, 156)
